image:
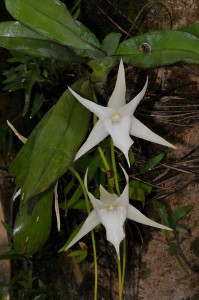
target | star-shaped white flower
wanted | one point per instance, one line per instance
(118, 120)
(112, 211)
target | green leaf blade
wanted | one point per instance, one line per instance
(180, 213)
(15, 36)
(160, 48)
(33, 223)
(52, 146)
(51, 19)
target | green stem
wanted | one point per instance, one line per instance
(105, 162)
(119, 278)
(114, 169)
(110, 179)
(123, 260)
(74, 172)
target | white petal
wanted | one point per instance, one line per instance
(97, 204)
(91, 222)
(139, 130)
(97, 134)
(117, 98)
(135, 215)
(98, 110)
(113, 221)
(129, 108)
(119, 132)
(107, 197)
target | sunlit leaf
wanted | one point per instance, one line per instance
(159, 48)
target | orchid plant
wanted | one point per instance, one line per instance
(47, 31)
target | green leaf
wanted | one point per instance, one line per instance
(160, 48)
(110, 43)
(180, 213)
(79, 254)
(91, 165)
(181, 229)
(52, 19)
(138, 190)
(37, 104)
(137, 194)
(74, 233)
(160, 207)
(33, 223)
(8, 228)
(52, 145)
(15, 36)
(10, 254)
(151, 163)
(79, 204)
(191, 28)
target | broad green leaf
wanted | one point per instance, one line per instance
(33, 223)
(110, 43)
(180, 213)
(151, 163)
(52, 145)
(15, 36)
(52, 19)
(191, 28)
(160, 48)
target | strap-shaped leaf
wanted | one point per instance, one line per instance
(52, 19)
(191, 28)
(15, 36)
(52, 146)
(160, 48)
(33, 223)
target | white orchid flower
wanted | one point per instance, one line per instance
(118, 120)
(112, 211)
